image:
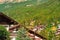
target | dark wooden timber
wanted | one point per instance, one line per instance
(15, 26)
(4, 19)
(32, 32)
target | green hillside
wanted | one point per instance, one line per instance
(20, 12)
(44, 12)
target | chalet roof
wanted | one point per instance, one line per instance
(4, 19)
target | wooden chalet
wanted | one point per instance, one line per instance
(5, 20)
(13, 25)
(10, 24)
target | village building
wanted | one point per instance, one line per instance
(12, 26)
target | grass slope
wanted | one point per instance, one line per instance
(45, 12)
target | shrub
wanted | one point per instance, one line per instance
(22, 35)
(4, 35)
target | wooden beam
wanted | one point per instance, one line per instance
(32, 32)
(15, 26)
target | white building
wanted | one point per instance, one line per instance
(2, 1)
(8, 0)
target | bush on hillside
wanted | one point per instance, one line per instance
(22, 35)
(4, 35)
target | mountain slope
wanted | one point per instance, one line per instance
(48, 10)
